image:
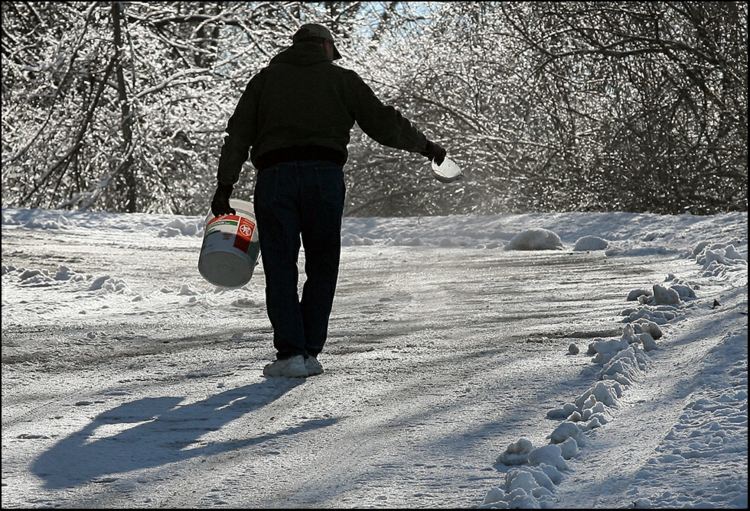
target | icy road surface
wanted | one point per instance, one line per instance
(149, 393)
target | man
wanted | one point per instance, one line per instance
(296, 115)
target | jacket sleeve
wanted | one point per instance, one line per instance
(384, 123)
(242, 130)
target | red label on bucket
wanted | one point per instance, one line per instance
(244, 234)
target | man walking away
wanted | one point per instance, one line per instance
(295, 118)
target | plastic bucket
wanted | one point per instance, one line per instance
(230, 247)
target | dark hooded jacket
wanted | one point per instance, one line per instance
(303, 101)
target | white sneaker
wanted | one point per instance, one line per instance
(313, 366)
(292, 367)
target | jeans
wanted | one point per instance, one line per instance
(292, 200)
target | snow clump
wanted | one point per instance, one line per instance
(516, 453)
(179, 227)
(590, 243)
(535, 239)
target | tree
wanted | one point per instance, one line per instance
(549, 106)
(657, 90)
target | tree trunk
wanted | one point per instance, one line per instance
(126, 168)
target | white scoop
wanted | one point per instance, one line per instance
(446, 172)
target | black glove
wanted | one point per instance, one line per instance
(220, 203)
(434, 152)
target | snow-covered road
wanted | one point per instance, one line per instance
(128, 381)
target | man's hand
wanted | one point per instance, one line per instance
(434, 152)
(220, 203)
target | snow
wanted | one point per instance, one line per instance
(536, 239)
(644, 408)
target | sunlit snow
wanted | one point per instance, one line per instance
(694, 318)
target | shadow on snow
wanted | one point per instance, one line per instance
(158, 432)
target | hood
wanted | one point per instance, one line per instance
(301, 54)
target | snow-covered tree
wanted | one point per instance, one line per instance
(546, 105)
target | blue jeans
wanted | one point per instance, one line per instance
(292, 200)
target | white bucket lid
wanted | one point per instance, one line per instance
(244, 206)
(446, 172)
(240, 206)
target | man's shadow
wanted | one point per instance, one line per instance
(161, 432)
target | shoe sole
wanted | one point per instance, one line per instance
(286, 375)
(314, 371)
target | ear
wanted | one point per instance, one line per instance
(327, 48)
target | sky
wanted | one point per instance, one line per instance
(511, 361)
